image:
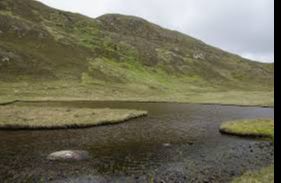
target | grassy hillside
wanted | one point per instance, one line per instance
(51, 54)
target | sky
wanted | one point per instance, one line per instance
(244, 27)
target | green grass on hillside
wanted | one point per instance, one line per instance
(16, 117)
(254, 128)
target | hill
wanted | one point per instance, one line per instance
(51, 54)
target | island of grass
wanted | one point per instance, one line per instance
(263, 128)
(19, 117)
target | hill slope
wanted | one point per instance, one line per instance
(50, 54)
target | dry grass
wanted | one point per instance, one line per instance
(70, 92)
(253, 128)
(15, 117)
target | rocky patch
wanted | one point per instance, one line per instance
(69, 155)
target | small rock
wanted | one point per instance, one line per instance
(69, 155)
(199, 56)
(5, 59)
(167, 145)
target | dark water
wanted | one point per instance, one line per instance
(175, 143)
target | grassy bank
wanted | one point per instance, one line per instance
(251, 128)
(187, 93)
(266, 175)
(14, 117)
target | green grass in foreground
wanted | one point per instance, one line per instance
(266, 175)
(254, 128)
(14, 117)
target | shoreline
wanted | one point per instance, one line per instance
(135, 101)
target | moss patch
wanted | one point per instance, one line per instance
(264, 175)
(15, 117)
(253, 128)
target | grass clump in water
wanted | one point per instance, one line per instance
(17, 117)
(264, 175)
(253, 128)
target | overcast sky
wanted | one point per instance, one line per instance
(245, 27)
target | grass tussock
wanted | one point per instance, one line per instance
(266, 175)
(252, 128)
(15, 117)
